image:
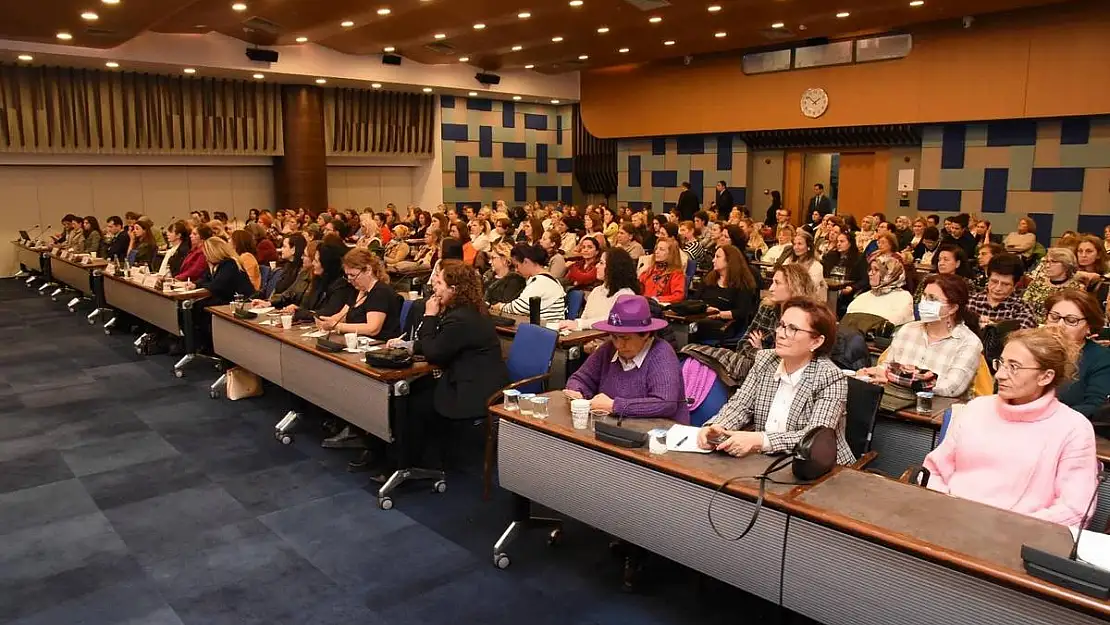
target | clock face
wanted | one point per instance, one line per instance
(815, 101)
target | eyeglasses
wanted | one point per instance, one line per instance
(1069, 320)
(932, 298)
(353, 277)
(1000, 283)
(1011, 367)
(790, 331)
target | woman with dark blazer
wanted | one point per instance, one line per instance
(225, 278)
(330, 291)
(143, 246)
(1081, 317)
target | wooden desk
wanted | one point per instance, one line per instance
(27, 257)
(75, 274)
(568, 349)
(656, 502)
(169, 311)
(862, 549)
(341, 383)
(904, 438)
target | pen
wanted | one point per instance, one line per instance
(682, 441)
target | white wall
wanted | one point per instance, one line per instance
(42, 194)
(359, 187)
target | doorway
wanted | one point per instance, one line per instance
(854, 181)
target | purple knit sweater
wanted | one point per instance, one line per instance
(655, 390)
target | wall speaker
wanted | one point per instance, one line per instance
(265, 56)
(391, 59)
(487, 79)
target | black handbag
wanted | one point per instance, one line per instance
(688, 307)
(389, 358)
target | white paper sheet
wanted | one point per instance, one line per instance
(684, 438)
(1094, 548)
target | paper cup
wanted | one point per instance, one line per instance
(352, 340)
(286, 322)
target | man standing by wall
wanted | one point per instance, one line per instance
(688, 203)
(820, 202)
(724, 198)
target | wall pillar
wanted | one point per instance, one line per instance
(301, 175)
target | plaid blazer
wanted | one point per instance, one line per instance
(821, 400)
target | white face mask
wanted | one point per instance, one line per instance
(929, 310)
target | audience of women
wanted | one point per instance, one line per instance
(243, 243)
(194, 265)
(1023, 449)
(530, 262)
(887, 296)
(618, 272)
(225, 278)
(627, 240)
(784, 238)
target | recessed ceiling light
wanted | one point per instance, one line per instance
(556, 39)
(384, 11)
(189, 70)
(554, 101)
(464, 59)
(427, 90)
(64, 36)
(517, 48)
(669, 42)
(516, 97)
(440, 36)
(346, 23)
(259, 76)
(713, 8)
(321, 81)
(623, 50)
(472, 94)
(778, 25)
(239, 6)
(389, 49)
(720, 34)
(655, 19)
(25, 57)
(576, 3)
(302, 39)
(89, 16)
(529, 66)
(524, 15)
(843, 14)
(479, 26)
(375, 85)
(917, 3)
(583, 57)
(110, 1)
(603, 30)
(111, 64)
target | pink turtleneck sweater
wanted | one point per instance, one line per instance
(1036, 459)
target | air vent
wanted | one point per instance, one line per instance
(777, 34)
(649, 5)
(263, 25)
(441, 48)
(101, 32)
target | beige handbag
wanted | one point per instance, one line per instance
(242, 384)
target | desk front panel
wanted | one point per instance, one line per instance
(900, 444)
(72, 275)
(159, 311)
(354, 397)
(659, 512)
(838, 579)
(28, 258)
(255, 352)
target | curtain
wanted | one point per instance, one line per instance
(371, 122)
(82, 111)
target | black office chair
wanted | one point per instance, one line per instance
(863, 408)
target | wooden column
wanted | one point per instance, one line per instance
(301, 176)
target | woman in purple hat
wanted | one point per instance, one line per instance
(633, 374)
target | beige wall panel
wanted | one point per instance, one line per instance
(20, 211)
(165, 193)
(251, 187)
(116, 190)
(63, 190)
(209, 188)
(396, 185)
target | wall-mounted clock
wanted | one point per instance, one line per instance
(815, 101)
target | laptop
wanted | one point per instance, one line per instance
(896, 398)
(23, 236)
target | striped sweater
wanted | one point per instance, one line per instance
(553, 302)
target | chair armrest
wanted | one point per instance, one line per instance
(865, 460)
(917, 475)
(519, 383)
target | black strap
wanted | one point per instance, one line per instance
(763, 479)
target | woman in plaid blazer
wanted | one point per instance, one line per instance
(790, 390)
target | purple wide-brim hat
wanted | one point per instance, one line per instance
(630, 314)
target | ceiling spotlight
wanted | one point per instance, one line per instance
(389, 49)
(917, 3)
(111, 65)
(427, 89)
(713, 8)
(259, 76)
(321, 81)
(189, 70)
(516, 97)
(384, 11)
(346, 23)
(575, 3)
(655, 19)
(89, 16)
(524, 15)
(517, 48)
(375, 85)
(239, 6)
(64, 36)
(464, 59)
(472, 94)
(603, 30)
(720, 35)
(583, 57)
(556, 39)
(529, 66)
(25, 57)
(623, 50)
(669, 42)
(479, 26)
(110, 1)
(440, 36)
(302, 39)
(555, 101)
(843, 14)
(778, 25)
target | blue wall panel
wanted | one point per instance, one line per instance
(664, 179)
(952, 146)
(514, 150)
(658, 146)
(479, 104)
(508, 115)
(691, 144)
(535, 122)
(634, 171)
(541, 158)
(1044, 228)
(994, 189)
(455, 132)
(724, 152)
(485, 141)
(520, 186)
(1054, 179)
(1012, 132)
(547, 194)
(462, 172)
(491, 179)
(447, 101)
(564, 165)
(939, 200)
(566, 194)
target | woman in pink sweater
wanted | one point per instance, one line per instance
(1022, 450)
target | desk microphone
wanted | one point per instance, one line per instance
(625, 437)
(1070, 572)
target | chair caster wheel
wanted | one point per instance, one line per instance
(385, 503)
(178, 373)
(107, 332)
(440, 486)
(72, 309)
(214, 394)
(285, 439)
(555, 537)
(501, 561)
(220, 367)
(139, 350)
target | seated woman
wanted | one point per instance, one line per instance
(373, 308)
(923, 252)
(225, 277)
(193, 266)
(633, 374)
(502, 284)
(244, 246)
(785, 240)
(397, 249)
(584, 272)
(530, 261)
(556, 262)
(1080, 317)
(618, 272)
(729, 291)
(143, 246)
(329, 291)
(943, 343)
(266, 251)
(665, 281)
(802, 253)
(790, 390)
(949, 260)
(845, 263)
(1092, 266)
(296, 272)
(1023, 449)
(1056, 272)
(179, 239)
(1023, 240)
(92, 236)
(887, 297)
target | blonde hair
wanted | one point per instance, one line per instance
(217, 250)
(1051, 349)
(1063, 255)
(674, 258)
(502, 249)
(798, 281)
(362, 260)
